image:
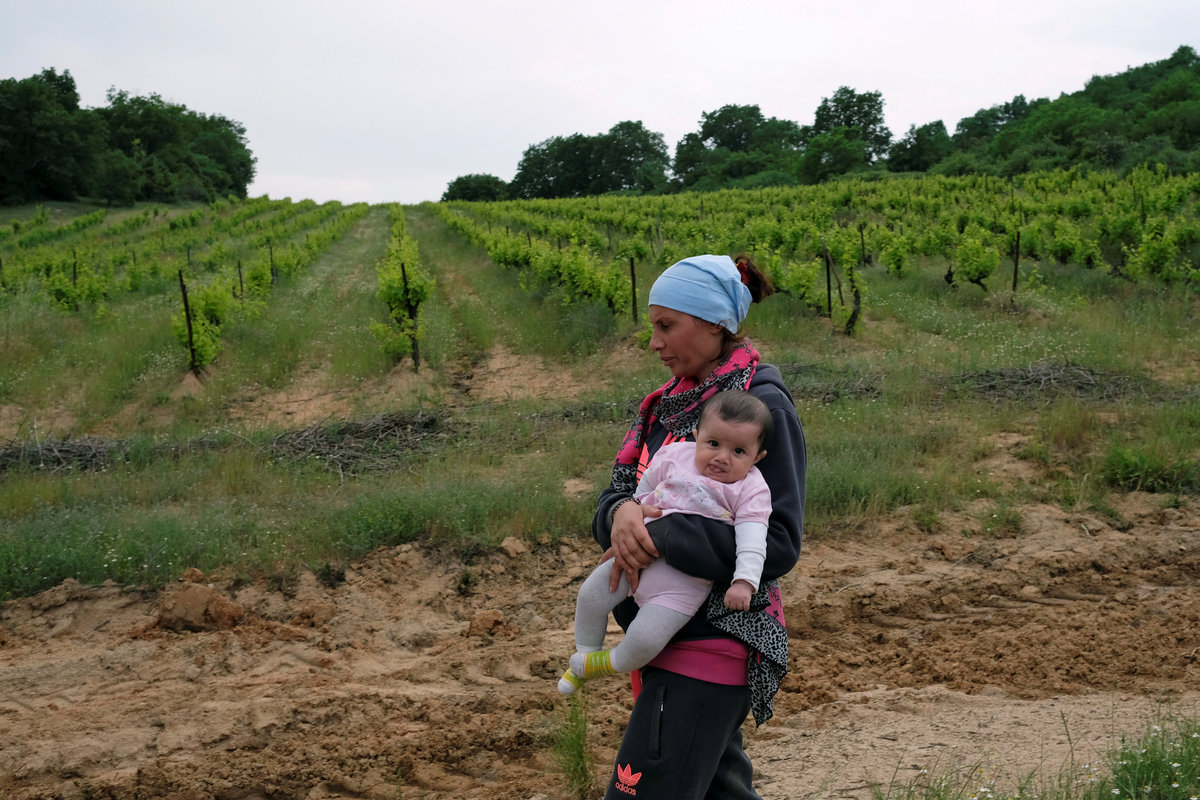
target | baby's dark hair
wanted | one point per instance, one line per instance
(743, 407)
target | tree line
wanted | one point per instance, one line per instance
(1147, 114)
(134, 148)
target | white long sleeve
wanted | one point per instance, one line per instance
(751, 538)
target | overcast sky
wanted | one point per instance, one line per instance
(366, 100)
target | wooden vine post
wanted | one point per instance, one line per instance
(831, 274)
(412, 309)
(1016, 262)
(855, 311)
(856, 293)
(633, 288)
(187, 315)
(828, 280)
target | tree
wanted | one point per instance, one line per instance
(115, 179)
(221, 154)
(979, 128)
(737, 146)
(557, 167)
(920, 148)
(777, 136)
(861, 113)
(535, 172)
(1179, 122)
(628, 158)
(730, 127)
(834, 153)
(136, 148)
(47, 144)
(1147, 113)
(1173, 108)
(691, 159)
(477, 186)
(180, 154)
(1127, 90)
(1052, 136)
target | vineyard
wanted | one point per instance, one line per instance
(1145, 226)
(105, 314)
(324, 544)
(814, 242)
(85, 266)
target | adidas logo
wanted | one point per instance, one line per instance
(627, 779)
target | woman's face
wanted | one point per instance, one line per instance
(689, 347)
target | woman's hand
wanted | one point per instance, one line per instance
(632, 546)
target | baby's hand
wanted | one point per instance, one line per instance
(738, 596)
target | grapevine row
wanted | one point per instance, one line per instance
(237, 292)
(571, 265)
(403, 285)
(145, 251)
(1143, 226)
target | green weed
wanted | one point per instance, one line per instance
(1137, 469)
(1162, 764)
(1002, 519)
(568, 744)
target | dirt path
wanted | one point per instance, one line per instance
(419, 678)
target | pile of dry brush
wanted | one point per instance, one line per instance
(374, 443)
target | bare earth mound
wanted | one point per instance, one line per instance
(420, 678)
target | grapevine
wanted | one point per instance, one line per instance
(403, 286)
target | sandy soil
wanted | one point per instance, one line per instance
(417, 677)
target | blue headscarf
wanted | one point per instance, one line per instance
(709, 287)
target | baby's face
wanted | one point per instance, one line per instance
(725, 451)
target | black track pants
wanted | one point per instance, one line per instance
(684, 742)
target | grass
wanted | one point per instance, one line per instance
(1163, 763)
(93, 364)
(234, 504)
(896, 417)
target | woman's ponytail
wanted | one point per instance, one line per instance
(754, 278)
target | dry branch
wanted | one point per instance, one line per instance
(370, 444)
(1047, 380)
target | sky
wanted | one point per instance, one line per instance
(367, 100)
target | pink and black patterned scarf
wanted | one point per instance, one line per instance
(676, 404)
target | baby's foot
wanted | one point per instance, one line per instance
(569, 682)
(584, 666)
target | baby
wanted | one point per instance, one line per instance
(713, 476)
